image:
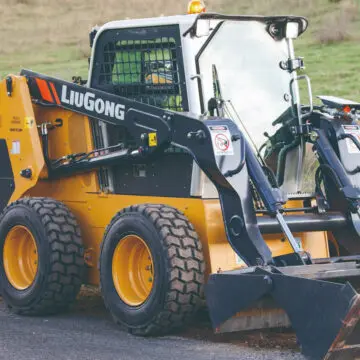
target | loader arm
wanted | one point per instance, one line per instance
(228, 172)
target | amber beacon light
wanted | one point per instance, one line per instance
(196, 7)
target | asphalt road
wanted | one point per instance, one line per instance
(87, 333)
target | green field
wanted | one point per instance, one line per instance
(52, 37)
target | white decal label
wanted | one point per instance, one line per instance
(355, 131)
(221, 140)
(89, 102)
(15, 148)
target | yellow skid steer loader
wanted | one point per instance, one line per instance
(174, 174)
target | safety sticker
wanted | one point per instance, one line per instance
(29, 122)
(15, 148)
(221, 140)
(152, 139)
(355, 131)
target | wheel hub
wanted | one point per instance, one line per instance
(20, 256)
(132, 270)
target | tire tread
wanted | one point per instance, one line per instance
(66, 263)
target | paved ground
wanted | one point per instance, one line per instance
(87, 333)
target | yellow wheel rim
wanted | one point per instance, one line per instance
(132, 270)
(20, 257)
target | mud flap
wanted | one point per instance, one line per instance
(322, 313)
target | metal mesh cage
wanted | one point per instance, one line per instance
(143, 70)
(146, 65)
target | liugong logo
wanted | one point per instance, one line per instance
(90, 102)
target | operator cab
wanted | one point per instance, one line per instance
(239, 67)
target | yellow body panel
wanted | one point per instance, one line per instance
(18, 127)
(94, 209)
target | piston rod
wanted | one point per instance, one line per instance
(305, 222)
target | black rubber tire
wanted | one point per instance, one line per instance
(178, 288)
(60, 256)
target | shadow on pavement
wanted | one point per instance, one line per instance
(90, 303)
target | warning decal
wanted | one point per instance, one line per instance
(221, 140)
(29, 123)
(15, 148)
(355, 131)
(152, 139)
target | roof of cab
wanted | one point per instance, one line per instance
(191, 20)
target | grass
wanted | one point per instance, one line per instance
(333, 68)
(63, 62)
(51, 36)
